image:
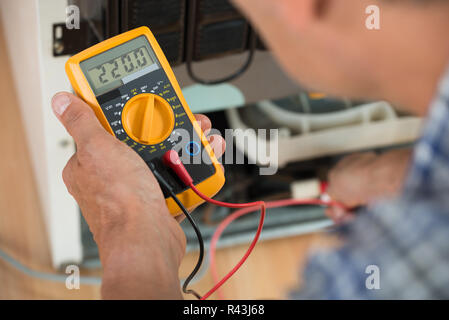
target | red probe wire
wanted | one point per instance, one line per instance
(251, 206)
(172, 160)
(237, 214)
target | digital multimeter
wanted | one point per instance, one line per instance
(129, 84)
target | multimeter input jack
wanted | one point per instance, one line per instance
(193, 148)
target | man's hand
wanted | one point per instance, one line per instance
(140, 244)
(362, 178)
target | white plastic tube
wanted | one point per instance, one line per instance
(305, 123)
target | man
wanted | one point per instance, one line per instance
(325, 45)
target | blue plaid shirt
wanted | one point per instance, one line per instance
(396, 249)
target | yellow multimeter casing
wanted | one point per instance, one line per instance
(133, 91)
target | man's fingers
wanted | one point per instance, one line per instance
(216, 141)
(218, 144)
(339, 215)
(204, 122)
(68, 174)
(77, 117)
(180, 218)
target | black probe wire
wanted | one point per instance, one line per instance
(190, 50)
(169, 189)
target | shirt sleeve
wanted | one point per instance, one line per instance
(395, 250)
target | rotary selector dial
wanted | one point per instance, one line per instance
(148, 119)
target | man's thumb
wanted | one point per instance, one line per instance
(76, 116)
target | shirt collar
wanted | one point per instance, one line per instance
(434, 142)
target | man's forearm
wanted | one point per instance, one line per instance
(141, 259)
(134, 276)
(359, 179)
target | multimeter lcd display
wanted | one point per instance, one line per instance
(119, 65)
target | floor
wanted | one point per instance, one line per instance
(271, 271)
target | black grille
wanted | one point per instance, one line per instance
(166, 19)
(215, 7)
(156, 14)
(221, 38)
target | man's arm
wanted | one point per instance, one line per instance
(361, 178)
(140, 244)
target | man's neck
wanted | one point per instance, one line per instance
(421, 59)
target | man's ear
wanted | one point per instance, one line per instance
(303, 13)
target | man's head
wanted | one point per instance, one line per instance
(326, 45)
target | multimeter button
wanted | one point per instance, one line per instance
(193, 148)
(148, 118)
